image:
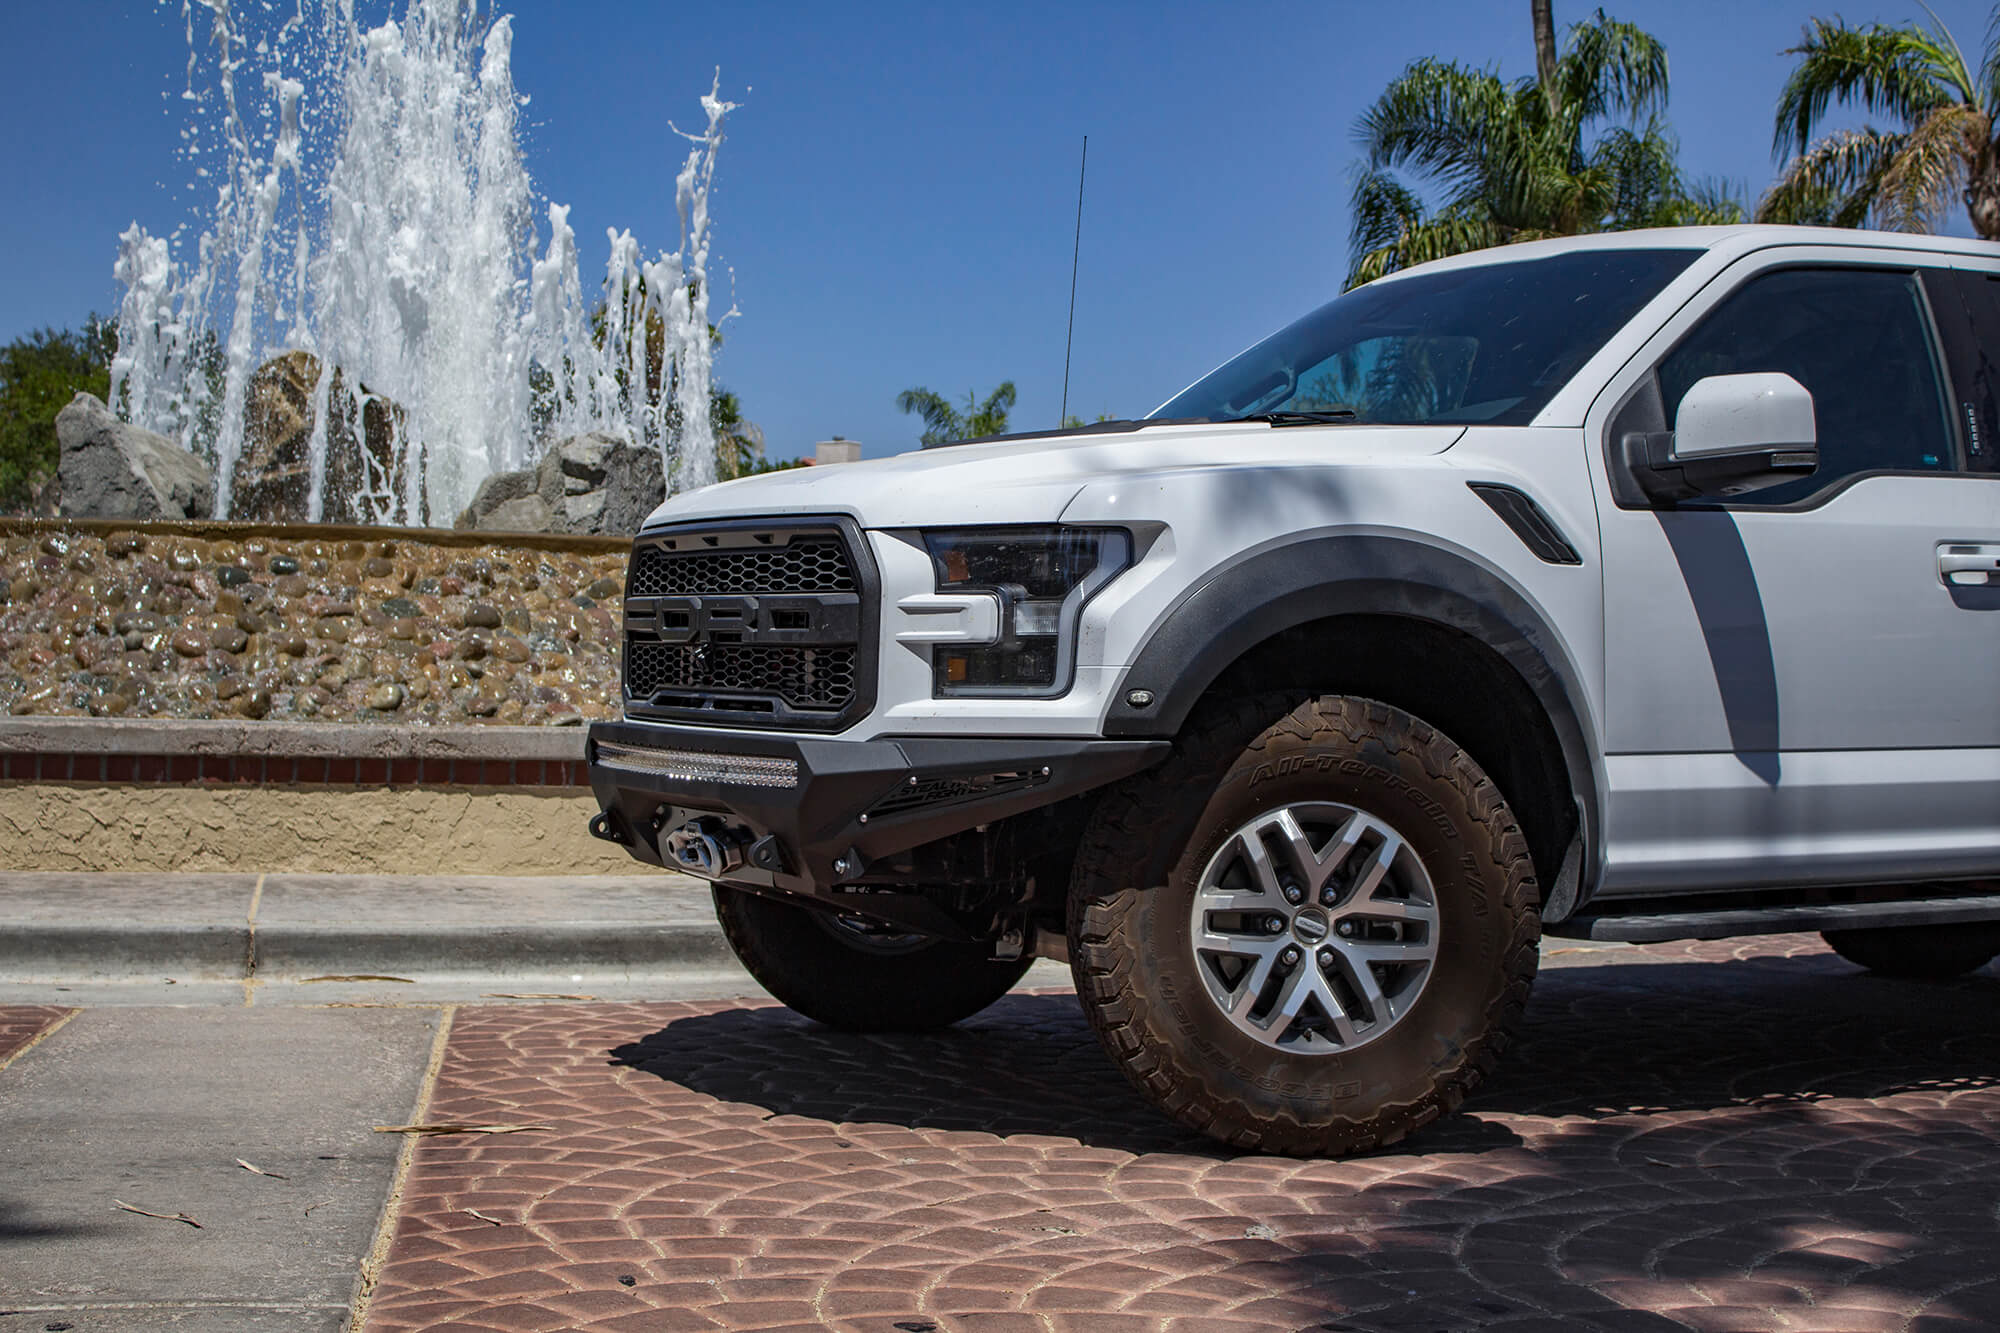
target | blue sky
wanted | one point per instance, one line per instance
(897, 194)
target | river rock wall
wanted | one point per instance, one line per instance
(151, 624)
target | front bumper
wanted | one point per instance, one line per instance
(818, 811)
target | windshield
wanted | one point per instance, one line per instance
(1490, 344)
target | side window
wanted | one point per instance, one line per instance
(1967, 306)
(1858, 340)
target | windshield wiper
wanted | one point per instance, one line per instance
(1318, 418)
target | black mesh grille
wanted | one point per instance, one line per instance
(802, 565)
(810, 678)
(774, 622)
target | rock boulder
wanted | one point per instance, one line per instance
(112, 469)
(274, 475)
(586, 484)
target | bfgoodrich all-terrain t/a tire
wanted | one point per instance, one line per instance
(846, 975)
(1311, 931)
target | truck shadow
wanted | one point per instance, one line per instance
(1600, 1042)
(1670, 1145)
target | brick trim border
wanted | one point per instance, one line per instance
(224, 754)
(188, 770)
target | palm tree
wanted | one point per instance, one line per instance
(1512, 159)
(739, 442)
(944, 423)
(1906, 178)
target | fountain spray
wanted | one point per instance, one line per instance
(375, 211)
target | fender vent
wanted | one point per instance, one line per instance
(1537, 531)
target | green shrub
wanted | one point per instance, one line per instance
(39, 374)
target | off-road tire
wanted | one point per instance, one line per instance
(811, 969)
(1131, 897)
(1918, 953)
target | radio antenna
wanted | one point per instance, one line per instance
(1075, 253)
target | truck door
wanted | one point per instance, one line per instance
(1802, 684)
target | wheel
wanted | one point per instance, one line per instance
(1919, 953)
(1309, 931)
(849, 973)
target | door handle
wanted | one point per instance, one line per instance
(1963, 565)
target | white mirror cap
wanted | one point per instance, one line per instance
(1726, 414)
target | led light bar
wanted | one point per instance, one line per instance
(741, 770)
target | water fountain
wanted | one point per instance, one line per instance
(372, 210)
(371, 250)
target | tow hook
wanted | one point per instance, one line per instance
(703, 847)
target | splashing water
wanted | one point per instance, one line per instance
(375, 211)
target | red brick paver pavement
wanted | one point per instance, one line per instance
(22, 1024)
(1764, 1142)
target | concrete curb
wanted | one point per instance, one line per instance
(290, 953)
(38, 951)
(93, 928)
(223, 953)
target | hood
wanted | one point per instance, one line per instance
(1032, 480)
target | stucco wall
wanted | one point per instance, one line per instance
(66, 826)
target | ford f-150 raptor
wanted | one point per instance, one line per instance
(1631, 587)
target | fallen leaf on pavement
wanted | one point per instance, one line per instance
(259, 1171)
(360, 976)
(456, 1127)
(164, 1217)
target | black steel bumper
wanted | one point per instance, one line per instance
(808, 813)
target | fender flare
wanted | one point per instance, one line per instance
(1296, 581)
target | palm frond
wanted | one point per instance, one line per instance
(1989, 68)
(1383, 209)
(991, 416)
(1644, 175)
(1950, 59)
(1924, 178)
(1609, 67)
(1902, 72)
(1704, 203)
(942, 422)
(1437, 117)
(1450, 232)
(1836, 183)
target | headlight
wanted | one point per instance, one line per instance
(1042, 577)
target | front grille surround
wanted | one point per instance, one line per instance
(748, 624)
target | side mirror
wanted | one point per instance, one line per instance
(1734, 434)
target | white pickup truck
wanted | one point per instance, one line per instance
(1632, 587)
